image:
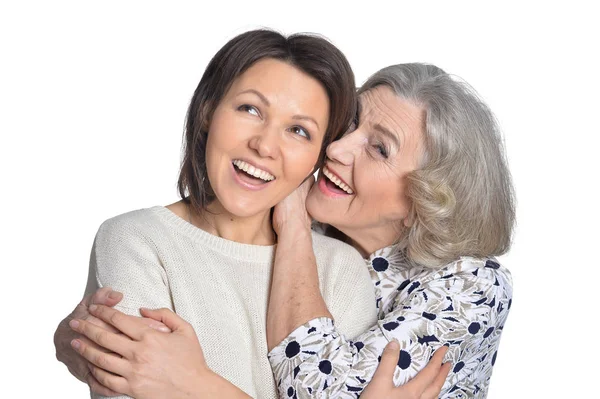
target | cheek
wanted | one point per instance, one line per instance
(385, 196)
(299, 164)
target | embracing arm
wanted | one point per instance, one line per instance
(146, 362)
(295, 295)
(296, 299)
(424, 316)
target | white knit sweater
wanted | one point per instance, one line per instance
(219, 286)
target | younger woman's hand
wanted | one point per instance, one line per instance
(291, 212)
(145, 362)
(427, 384)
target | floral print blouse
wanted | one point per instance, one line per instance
(463, 305)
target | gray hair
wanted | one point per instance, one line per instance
(462, 195)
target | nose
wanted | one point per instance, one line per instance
(345, 149)
(266, 142)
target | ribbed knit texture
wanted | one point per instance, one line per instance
(219, 286)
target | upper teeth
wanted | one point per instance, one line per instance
(253, 171)
(337, 181)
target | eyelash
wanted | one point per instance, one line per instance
(248, 107)
(381, 150)
(306, 133)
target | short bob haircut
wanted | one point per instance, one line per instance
(313, 55)
(462, 198)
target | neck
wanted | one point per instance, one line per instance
(368, 240)
(254, 230)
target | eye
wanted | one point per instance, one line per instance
(300, 131)
(252, 110)
(381, 149)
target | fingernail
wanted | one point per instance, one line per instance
(114, 295)
(75, 344)
(394, 345)
(93, 307)
(164, 329)
(74, 323)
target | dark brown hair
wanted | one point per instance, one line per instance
(313, 55)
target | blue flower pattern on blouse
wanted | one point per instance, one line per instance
(463, 305)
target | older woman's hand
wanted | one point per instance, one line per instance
(426, 385)
(147, 363)
(64, 335)
(291, 212)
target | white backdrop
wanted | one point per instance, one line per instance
(92, 101)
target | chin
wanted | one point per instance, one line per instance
(317, 212)
(242, 209)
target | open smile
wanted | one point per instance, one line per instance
(251, 176)
(332, 185)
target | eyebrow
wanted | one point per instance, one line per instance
(268, 104)
(258, 94)
(306, 118)
(386, 132)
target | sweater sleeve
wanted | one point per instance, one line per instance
(125, 258)
(317, 361)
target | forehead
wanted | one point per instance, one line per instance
(278, 76)
(381, 105)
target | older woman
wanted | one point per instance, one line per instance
(421, 188)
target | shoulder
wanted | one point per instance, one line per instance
(331, 251)
(135, 225)
(485, 270)
(484, 277)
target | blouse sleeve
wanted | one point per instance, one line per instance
(459, 310)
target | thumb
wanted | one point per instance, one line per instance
(388, 362)
(106, 296)
(165, 316)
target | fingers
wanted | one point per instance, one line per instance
(155, 324)
(428, 379)
(98, 388)
(167, 317)
(433, 391)
(308, 182)
(107, 361)
(106, 339)
(103, 295)
(106, 296)
(131, 326)
(110, 381)
(387, 365)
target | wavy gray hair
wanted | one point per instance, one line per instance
(462, 195)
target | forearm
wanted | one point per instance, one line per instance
(217, 387)
(295, 296)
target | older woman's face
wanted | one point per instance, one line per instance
(361, 188)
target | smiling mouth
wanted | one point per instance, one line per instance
(251, 174)
(335, 184)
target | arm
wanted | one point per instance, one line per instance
(126, 259)
(421, 319)
(295, 296)
(147, 363)
(63, 336)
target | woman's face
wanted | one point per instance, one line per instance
(361, 188)
(265, 136)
